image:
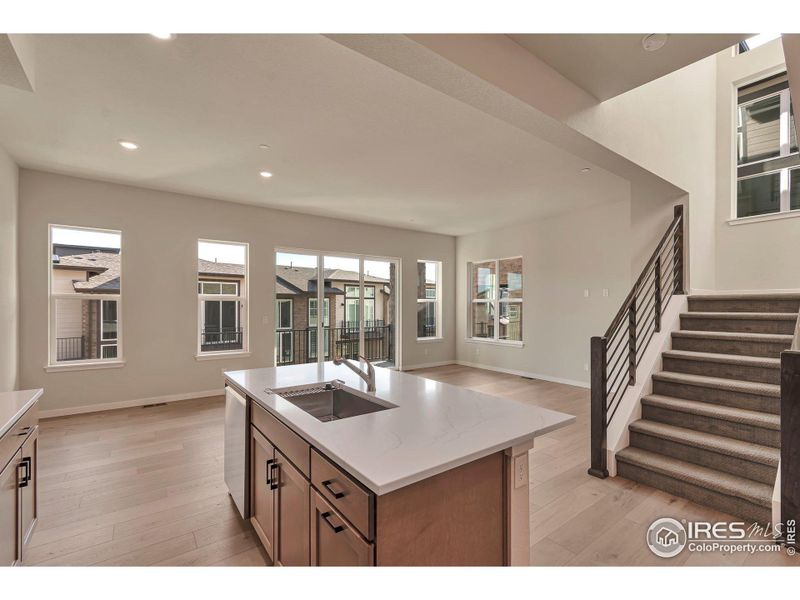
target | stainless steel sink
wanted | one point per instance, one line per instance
(332, 401)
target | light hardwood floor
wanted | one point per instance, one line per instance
(144, 486)
(577, 519)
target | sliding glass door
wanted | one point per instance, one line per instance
(329, 305)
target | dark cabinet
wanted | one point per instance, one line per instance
(291, 514)
(262, 500)
(334, 543)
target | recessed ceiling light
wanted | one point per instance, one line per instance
(585, 169)
(263, 146)
(265, 174)
(654, 41)
(128, 145)
(163, 36)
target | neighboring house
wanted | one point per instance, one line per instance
(85, 328)
(296, 314)
(220, 320)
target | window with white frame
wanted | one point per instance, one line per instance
(496, 300)
(284, 336)
(221, 296)
(85, 295)
(429, 299)
(768, 163)
(313, 315)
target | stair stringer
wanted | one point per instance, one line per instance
(630, 406)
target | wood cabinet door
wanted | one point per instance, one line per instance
(29, 507)
(292, 516)
(9, 512)
(262, 494)
(334, 543)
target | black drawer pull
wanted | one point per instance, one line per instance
(269, 464)
(336, 528)
(26, 478)
(327, 485)
(274, 475)
(25, 430)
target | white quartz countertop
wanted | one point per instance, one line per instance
(13, 405)
(435, 427)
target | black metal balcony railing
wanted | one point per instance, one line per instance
(297, 346)
(71, 348)
(216, 340)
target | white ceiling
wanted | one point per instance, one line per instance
(349, 137)
(606, 65)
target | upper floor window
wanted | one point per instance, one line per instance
(754, 42)
(496, 300)
(222, 296)
(429, 299)
(85, 295)
(351, 300)
(768, 163)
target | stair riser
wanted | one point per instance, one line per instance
(705, 458)
(736, 347)
(733, 399)
(786, 305)
(738, 431)
(782, 326)
(726, 371)
(721, 502)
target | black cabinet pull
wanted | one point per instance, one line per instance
(26, 464)
(336, 528)
(269, 464)
(25, 431)
(327, 485)
(274, 479)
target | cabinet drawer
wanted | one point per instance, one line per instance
(334, 543)
(287, 441)
(344, 494)
(14, 437)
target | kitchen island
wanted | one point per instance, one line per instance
(417, 472)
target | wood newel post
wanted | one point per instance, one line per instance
(790, 445)
(632, 342)
(678, 256)
(657, 291)
(599, 408)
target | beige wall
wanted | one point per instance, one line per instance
(159, 320)
(751, 256)
(667, 126)
(8, 273)
(681, 128)
(562, 256)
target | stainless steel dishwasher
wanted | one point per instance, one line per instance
(236, 448)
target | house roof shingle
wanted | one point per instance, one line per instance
(107, 266)
(298, 280)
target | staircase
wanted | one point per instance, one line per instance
(710, 431)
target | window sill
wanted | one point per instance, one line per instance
(428, 340)
(492, 342)
(221, 355)
(761, 218)
(85, 366)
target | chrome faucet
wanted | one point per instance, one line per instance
(368, 377)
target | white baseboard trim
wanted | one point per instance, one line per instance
(575, 382)
(79, 410)
(705, 292)
(431, 365)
